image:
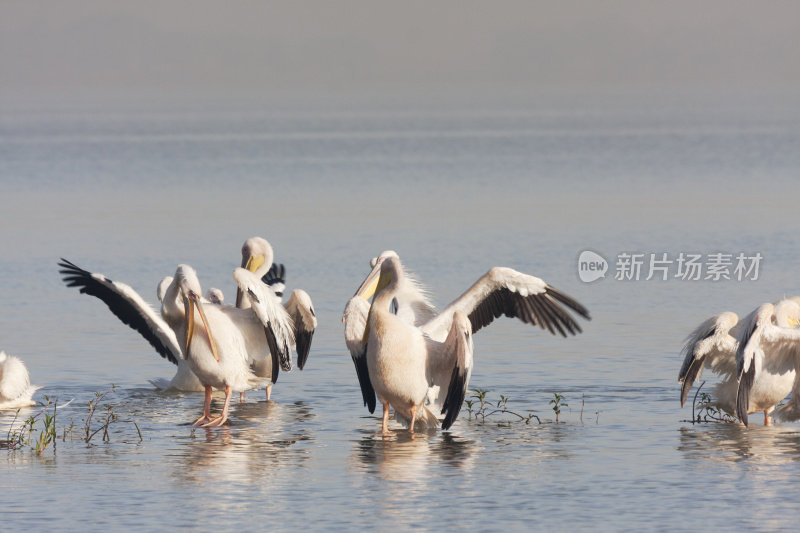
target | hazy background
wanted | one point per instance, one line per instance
(97, 51)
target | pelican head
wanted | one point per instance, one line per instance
(190, 290)
(163, 285)
(370, 284)
(390, 271)
(215, 296)
(787, 313)
(257, 257)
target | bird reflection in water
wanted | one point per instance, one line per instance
(403, 456)
(268, 440)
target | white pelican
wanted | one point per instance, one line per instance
(15, 384)
(767, 358)
(408, 354)
(221, 358)
(131, 309)
(257, 257)
(160, 330)
(714, 345)
(215, 296)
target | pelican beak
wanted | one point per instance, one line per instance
(251, 263)
(383, 279)
(189, 303)
(188, 307)
(370, 284)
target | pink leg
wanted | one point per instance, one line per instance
(242, 397)
(767, 419)
(413, 419)
(269, 391)
(385, 426)
(206, 407)
(221, 419)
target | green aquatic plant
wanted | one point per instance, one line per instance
(480, 407)
(558, 402)
(18, 438)
(25, 435)
(110, 418)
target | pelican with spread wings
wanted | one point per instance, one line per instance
(419, 361)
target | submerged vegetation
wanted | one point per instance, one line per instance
(480, 407)
(706, 410)
(44, 421)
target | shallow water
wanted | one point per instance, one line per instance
(454, 190)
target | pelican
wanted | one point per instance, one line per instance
(221, 357)
(134, 311)
(714, 344)
(767, 359)
(15, 384)
(215, 296)
(160, 329)
(419, 362)
(257, 257)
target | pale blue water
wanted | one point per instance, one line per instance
(455, 189)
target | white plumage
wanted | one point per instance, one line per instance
(715, 345)
(419, 362)
(15, 386)
(767, 358)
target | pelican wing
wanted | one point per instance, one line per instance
(276, 279)
(301, 310)
(504, 291)
(759, 336)
(355, 322)
(458, 348)
(127, 305)
(709, 345)
(276, 321)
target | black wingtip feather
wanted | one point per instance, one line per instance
(362, 371)
(456, 393)
(743, 394)
(303, 346)
(569, 302)
(75, 276)
(688, 379)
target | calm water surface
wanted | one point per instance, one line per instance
(455, 190)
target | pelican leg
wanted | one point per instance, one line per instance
(385, 426)
(413, 419)
(242, 397)
(221, 419)
(206, 408)
(767, 418)
(269, 391)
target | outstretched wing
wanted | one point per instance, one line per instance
(504, 291)
(355, 322)
(276, 321)
(710, 345)
(301, 310)
(127, 305)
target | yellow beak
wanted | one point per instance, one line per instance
(189, 303)
(251, 263)
(380, 283)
